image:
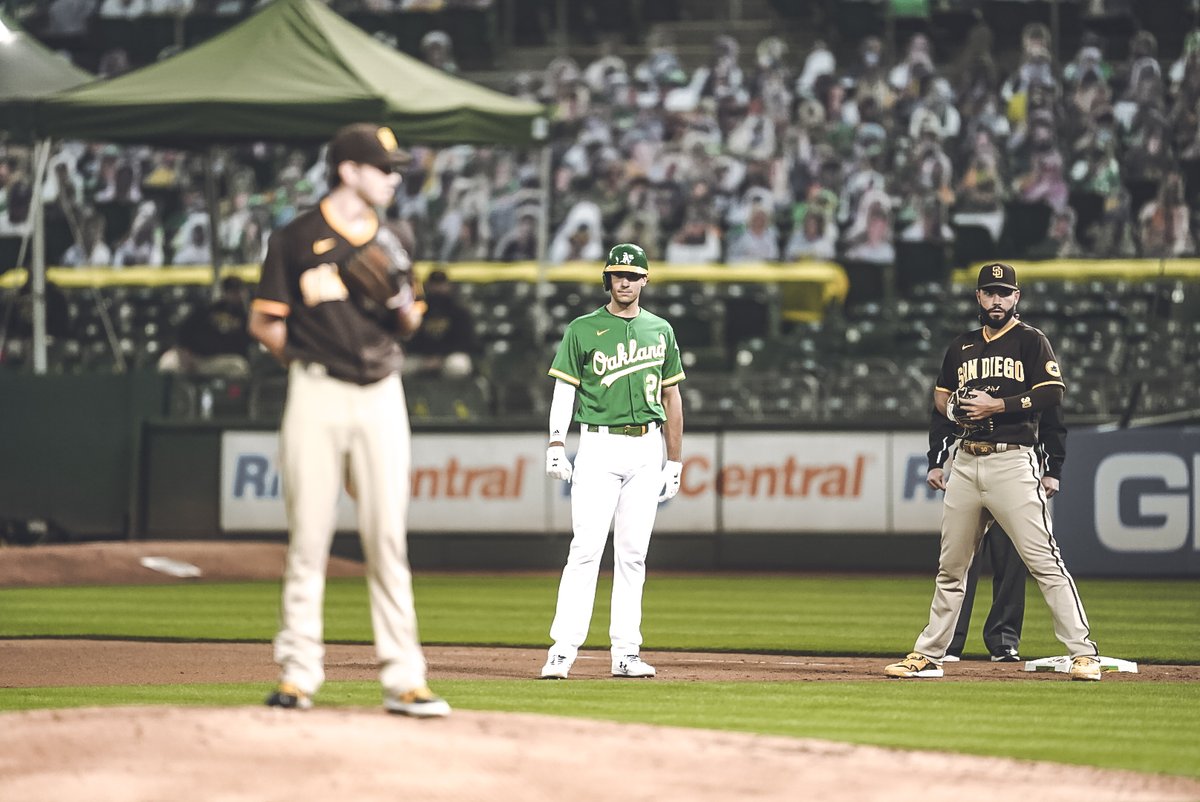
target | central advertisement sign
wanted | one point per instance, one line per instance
(732, 482)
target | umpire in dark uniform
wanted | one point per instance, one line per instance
(1002, 630)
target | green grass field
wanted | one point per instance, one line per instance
(1140, 726)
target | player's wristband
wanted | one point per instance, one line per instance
(1048, 395)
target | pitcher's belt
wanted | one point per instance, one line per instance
(978, 449)
(629, 430)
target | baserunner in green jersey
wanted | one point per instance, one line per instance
(622, 363)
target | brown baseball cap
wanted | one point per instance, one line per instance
(997, 274)
(367, 143)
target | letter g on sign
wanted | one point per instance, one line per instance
(1144, 502)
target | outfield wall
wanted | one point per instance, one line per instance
(733, 481)
(778, 499)
(1130, 501)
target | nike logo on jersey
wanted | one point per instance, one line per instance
(324, 245)
(602, 332)
(968, 345)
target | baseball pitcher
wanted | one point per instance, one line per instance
(336, 290)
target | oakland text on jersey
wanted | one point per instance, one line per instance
(991, 367)
(631, 358)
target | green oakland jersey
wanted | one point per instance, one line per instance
(618, 366)
(1012, 361)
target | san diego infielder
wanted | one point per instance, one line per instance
(623, 364)
(995, 383)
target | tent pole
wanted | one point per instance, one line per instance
(214, 217)
(38, 266)
(541, 317)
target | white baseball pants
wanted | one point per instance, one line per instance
(616, 481)
(328, 426)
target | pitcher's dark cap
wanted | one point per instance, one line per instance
(997, 274)
(366, 143)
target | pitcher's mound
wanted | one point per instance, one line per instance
(136, 754)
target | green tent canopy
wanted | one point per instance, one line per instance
(295, 71)
(28, 69)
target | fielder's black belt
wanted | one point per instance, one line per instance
(979, 449)
(629, 429)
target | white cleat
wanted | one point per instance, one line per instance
(557, 667)
(631, 665)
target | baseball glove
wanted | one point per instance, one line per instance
(956, 413)
(380, 273)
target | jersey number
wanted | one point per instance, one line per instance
(653, 390)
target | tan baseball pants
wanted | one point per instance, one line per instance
(330, 426)
(1005, 486)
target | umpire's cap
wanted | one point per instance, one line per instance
(997, 274)
(366, 143)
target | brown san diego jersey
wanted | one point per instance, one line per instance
(300, 282)
(1010, 362)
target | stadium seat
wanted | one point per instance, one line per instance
(268, 395)
(713, 359)
(1024, 224)
(919, 263)
(446, 400)
(972, 244)
(749, 312)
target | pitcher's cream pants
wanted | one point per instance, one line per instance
(331, 427)
(614, 475)
(1006, 486)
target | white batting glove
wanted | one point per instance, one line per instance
(671, 474)
(557, 464)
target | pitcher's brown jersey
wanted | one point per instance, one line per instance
(300, 282)
(1006, 363)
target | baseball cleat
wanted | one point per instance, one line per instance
(1006, 654)
(418, 703)
(631, 665)
(1085, 668)
(951, 658)
(288, 697)
(915, 665)
(557, 667)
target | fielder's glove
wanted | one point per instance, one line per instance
(671, 474)
(954, 409)
(557, 464)
(379, 274)
(956, 413)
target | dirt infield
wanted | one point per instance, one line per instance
(112, 662)
(253, 753)
(58, 565)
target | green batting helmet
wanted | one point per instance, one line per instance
(625, 258)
